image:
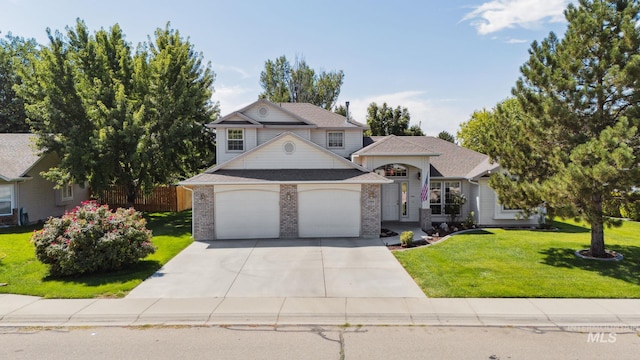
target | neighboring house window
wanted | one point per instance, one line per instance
(335, 139)
(441, 202)
(6, 199)
(67, 192)
(235, 140)
(392, 170)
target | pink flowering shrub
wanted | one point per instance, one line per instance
(92, 238)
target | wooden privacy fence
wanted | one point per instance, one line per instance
(162, 198)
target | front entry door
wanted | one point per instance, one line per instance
(390, 202)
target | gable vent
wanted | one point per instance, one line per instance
(263, 111)
(289, 147)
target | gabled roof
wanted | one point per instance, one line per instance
(17, 156)
(229, 173)
(452, 161)
(321, 117)
(307, 115)
(397, 146)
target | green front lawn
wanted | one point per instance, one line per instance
(23, 274)
(527, 263)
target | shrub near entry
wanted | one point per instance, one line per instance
(92, 238)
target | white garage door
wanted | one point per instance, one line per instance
(247, 212)
(329, 210)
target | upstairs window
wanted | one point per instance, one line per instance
(235, 140)
(335, 139)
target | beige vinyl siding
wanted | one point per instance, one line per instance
(222, 155)
(273, 114)
(491, 213)
(352, 140)
(267, 134)
(273, 156)
(39, 198)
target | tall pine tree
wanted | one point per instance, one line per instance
(574, 142)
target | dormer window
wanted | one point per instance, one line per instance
(235, 140)
(335, 139)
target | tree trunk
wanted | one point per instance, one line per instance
(597, 228)
(132, 194)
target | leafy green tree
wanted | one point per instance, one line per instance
(15, 53)
(472, 133)
(118, 117)
(578, 141)
(445, 135)
(414, 130)
(384, 120)
(282, 82)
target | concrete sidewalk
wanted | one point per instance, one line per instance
(20, 310)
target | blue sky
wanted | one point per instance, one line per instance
(440, 59)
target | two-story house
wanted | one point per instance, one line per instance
(296, 170)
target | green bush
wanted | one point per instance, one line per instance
(631, 210)
(92, 238)
(406, 238)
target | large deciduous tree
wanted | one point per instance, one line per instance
(578, 123)
(385, 120)
(299, 83)
(15, 53)
(119, 117)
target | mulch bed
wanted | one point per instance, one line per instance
(416, 243)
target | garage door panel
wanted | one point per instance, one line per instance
(247, 212)
(329, 211)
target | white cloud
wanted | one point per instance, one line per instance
(220, 68)
(516, 41)
(433, 115)
(233, 98)
(496, 15)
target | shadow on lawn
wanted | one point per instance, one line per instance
(140, 271)
(570, 229)
(626, 270)
(169, 223)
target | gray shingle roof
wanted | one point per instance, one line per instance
(319, 116)
(308, 115)
(284, 175)
(453, 162)
(16, 155)
(396, 145)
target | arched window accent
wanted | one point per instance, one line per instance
(392, 170)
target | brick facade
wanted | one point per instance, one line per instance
(10, 219)
(288, 211)
(425, 219)
(203, 213)
(370, 205)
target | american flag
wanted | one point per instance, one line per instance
(425, 188)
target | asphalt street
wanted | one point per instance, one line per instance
(316, 342)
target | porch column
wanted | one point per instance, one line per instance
(425, 208)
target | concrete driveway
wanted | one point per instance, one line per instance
(281, 268)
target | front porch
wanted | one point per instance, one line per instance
(398, 227)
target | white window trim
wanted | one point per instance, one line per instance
(12, 201)
(500, 213)
(443, 195)
(329, 143)
(64, 192)
(244, 145)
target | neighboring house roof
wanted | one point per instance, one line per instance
(306, 114)
(452, 161)
(17, 156)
